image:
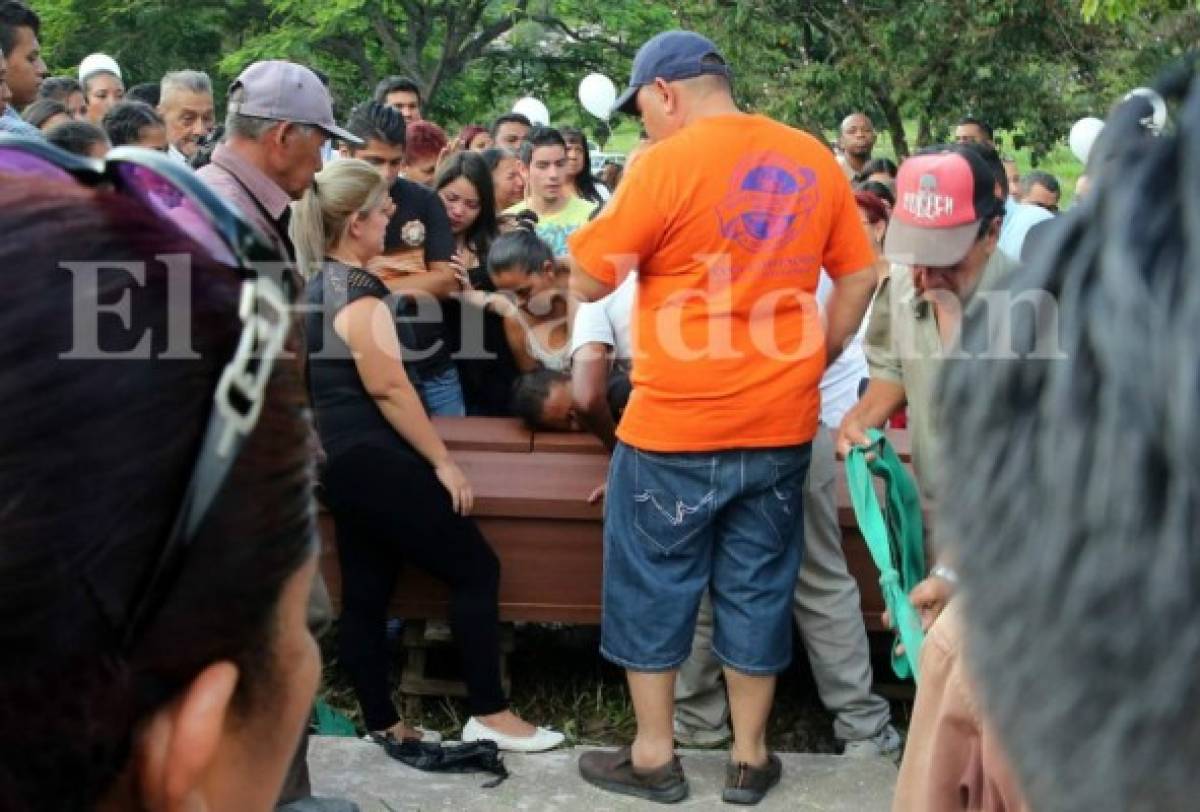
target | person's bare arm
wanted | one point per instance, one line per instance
(885, 391)
(407, 272)
(878, 403)
(368, 330)
(439, 284)
(584, 287)
(589, 390)
(516, 333)
(496, 303)
(398, 263)
(845, 308)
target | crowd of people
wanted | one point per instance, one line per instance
(492, 274)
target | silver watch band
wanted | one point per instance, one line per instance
(945, 573)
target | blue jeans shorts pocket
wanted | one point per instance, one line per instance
(781, 502)
(673, 498)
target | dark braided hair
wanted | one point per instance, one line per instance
(1075, 514)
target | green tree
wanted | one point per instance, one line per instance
(1030, 67)
(547, 57)
(428, 40)
(466, 55)
(147, 37)
(1115, 10)
(1014, 63)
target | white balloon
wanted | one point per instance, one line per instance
(597, 93)
(1083, 137)
(533, 110)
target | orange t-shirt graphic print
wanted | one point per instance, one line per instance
(728, 222)
(768, 197)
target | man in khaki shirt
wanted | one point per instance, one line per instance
(912, 330)
(942, 243)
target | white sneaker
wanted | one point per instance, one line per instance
(884, 744)
(539, 742)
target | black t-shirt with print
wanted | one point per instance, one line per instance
(417, 204)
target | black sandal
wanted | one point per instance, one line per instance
(476, 757)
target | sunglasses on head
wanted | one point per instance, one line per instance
(183, 200)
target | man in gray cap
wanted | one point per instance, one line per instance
(705, 489)
(280, 116)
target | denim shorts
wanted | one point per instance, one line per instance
(676, 525)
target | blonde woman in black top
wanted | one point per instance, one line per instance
(396, 495)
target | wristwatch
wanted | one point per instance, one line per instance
(945, 573)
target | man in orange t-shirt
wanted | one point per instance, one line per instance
(729, 219)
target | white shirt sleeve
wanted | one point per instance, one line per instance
(608, 321)
(592, 326)
(839, 386)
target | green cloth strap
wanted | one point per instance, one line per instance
(329, 722)
(895, 537)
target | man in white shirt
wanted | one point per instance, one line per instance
(601, 356)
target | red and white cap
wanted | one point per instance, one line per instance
(940, 200)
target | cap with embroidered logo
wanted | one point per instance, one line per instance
(940, 200)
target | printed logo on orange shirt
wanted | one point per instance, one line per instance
(770, 202)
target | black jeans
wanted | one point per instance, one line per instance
(390, 509)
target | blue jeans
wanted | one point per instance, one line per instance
(678, 525)
(442, 394)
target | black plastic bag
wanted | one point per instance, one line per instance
(476, 757)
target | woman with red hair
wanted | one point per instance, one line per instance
(874, 214)
(473, 138)
(425, 147)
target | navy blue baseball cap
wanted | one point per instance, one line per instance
(671, 56)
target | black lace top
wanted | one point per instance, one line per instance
(346, 414)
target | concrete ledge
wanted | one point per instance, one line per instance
(360, 771)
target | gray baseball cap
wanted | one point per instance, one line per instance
(285, 91)
(671, 56)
